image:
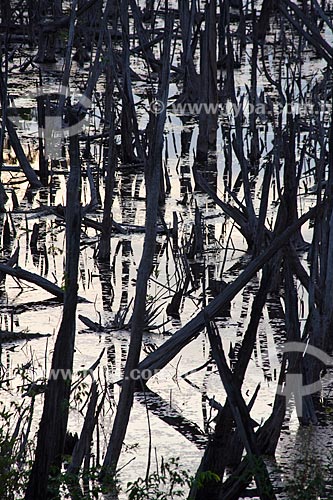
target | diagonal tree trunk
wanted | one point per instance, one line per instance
(217, 454)
(242, 419)
(167, 351)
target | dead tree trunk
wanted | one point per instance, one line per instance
(3, 100)
(288, 212)
(88, 25)
(255, 151)
(21, 157)
(311, 33)
(208, 85)
(191, 79)
(167, 351)
(267, 9)
(84, 443)
(153, 173)
(143, 39)
(304, 405)
(127, 126)
(53, 425)
(217, 454)
(234, 486)
(46, 42)
(110, 165)
(41, 102)
(319, 323)
(224, 14)
(242, 419)
(15, 141)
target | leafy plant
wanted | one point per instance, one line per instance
(308, 482)
(206, 477)
(70, 485)
(168, 483)
(312, 478)
(13, 475)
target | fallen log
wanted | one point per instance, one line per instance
(8, 336)
(22, 274)
(167, 351)
(21, 157)
(38, 305)
(11, 262)
(96, 327)
(123, 228)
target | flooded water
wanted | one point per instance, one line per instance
(180, 413)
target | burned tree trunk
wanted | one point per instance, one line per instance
(53, 425)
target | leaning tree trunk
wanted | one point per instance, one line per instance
(242, 418)
(53, 425)
(218, 451)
